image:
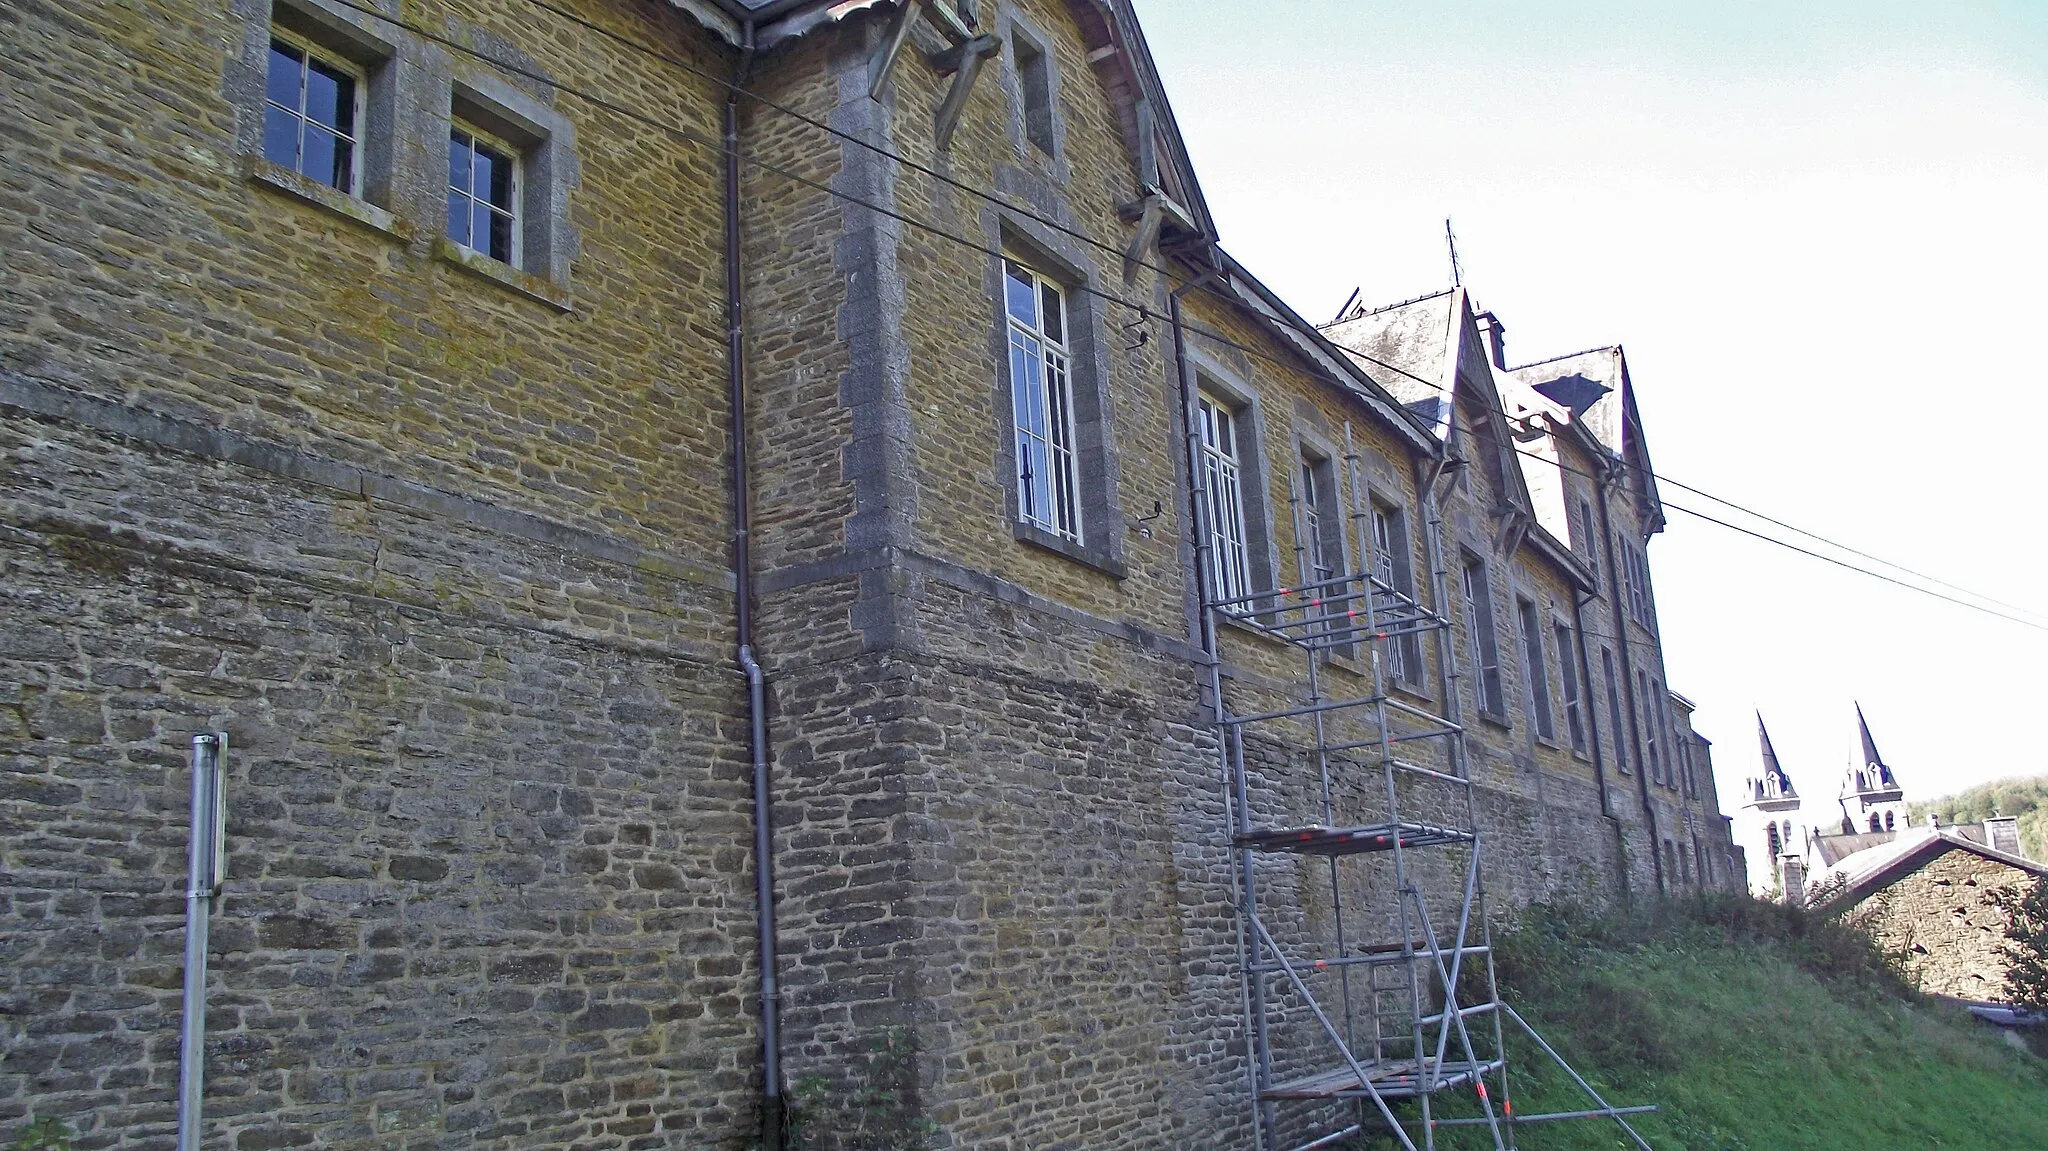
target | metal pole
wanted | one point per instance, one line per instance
(205, 868)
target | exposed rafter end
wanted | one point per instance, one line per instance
(1149, 220)
(973, 54)
(883, 65)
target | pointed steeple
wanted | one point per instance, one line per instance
(1880, 775)
(1772, 790)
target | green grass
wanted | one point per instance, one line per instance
(1754, 1028)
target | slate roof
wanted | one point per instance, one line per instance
(1870, 871)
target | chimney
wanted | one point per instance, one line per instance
(2002, 833)
(1792, 872)
(1495, 334)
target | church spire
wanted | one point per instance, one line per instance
(1773, 787)
(1879, 774)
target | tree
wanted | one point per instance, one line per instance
(2026, 942)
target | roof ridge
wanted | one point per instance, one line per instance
(1566, 356)
(1364, 312)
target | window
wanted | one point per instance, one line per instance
(1888, 821)
(1537, 669)
(1390, 566)
(1636, 585)
(1317, 519)
(1660, 703)
(1320, 548)
(1614, 716)
(313, 110)
(1042, 399)
(1650, 756)
(1777, 844)
(1034, 78)
(1485, 645)
(1223, 485)
(483, 194)
(1587, 540)
(1568, 666)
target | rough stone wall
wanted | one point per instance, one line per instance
(1941, 920)
(443, 559)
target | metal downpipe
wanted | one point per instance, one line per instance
(743, 611)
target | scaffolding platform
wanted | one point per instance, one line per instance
(1392, 1079)
(1318, 840)
(1410, 1007)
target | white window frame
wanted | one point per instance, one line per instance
(1649, 718)
(1042, 403)
(1574, 695)
(1321, 568)
(1230, 569)
(1489, 692)
(1529, 621)
(313, 50)
(1615, 718)
(1389, 528)
(516, 213)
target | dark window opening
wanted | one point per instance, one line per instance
(1034, 75)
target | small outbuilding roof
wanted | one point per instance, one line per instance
(1870, 871)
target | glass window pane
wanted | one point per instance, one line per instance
(1054, 321)
(1018, 296)
(280, 137)
(344, 174)
(501, 237)
(458, 162)
(499, 185)
(458, 218)
(282, 86)
(480, 227)
(330, 97)
(320, 155)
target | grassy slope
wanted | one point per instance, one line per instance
(1744, 1047)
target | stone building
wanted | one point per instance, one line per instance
(521, 426)
(1929, 896)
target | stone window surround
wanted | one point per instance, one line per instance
(1089, 373)
(1016, 28)
(1213, 376)
(415, 88)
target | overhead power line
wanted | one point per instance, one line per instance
(701, 140)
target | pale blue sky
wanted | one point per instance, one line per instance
(1818, 230)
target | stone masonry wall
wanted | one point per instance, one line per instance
(1942, 921)
(486, 884)
(441, 546)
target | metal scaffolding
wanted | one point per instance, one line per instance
(1367, 1003)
